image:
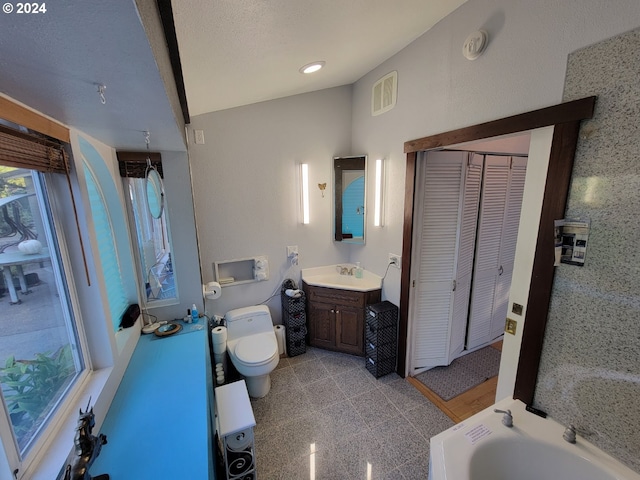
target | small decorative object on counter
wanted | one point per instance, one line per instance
(358, 271)
(87, 449)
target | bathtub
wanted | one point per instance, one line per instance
(482, 448)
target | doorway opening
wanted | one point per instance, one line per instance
(518, 378)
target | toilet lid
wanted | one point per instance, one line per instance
(256, 348)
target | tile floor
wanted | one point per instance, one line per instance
(328, 415)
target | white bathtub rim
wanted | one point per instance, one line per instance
(445, 465)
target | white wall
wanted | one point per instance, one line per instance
(439, 90)
(245, 187)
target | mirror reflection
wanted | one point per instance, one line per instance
(155, 193)
(151, 224)
(349, 199)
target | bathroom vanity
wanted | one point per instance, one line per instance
(336, 317)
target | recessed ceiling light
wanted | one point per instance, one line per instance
(312, 67)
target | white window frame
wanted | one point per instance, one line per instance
(106, 353)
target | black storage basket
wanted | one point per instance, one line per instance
(293, 305)
(297, 347)
(383, 314)
(294, 319)
(380, 336)
(380, 368)
(380, 352)
(381, 333)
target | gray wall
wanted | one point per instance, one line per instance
(246, 194)
(590, 369)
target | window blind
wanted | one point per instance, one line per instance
(106, 250)
(25, 150)
(134, 164)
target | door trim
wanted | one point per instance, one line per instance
(566, 118)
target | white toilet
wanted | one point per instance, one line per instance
(252, 346)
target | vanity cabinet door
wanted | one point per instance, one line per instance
(322, 325)
(336, 317)
(349, 330)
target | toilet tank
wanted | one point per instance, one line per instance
(248, 321)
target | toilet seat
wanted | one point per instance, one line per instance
(256, 350)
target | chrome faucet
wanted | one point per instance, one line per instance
(507, 419)
(570, 434)
(344, 270)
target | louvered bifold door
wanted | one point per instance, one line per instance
(439, 203)
(487, 261)
(515, 191)
(466, 246)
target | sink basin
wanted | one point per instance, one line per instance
(329, 277)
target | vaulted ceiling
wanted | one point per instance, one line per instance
(233, 52)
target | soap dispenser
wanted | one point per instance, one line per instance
(194, 314)
(358, 270)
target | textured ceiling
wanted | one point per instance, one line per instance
(233, 52)
(54, 61)
(237, 52)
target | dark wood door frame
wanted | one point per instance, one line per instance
(566, 118)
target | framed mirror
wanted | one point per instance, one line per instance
(155, 193)
(349, 199)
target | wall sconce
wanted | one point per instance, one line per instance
(304, 191)
(379, 186)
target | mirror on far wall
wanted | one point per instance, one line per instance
(349, 199)
(155, 193)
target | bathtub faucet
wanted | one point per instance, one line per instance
(507, 419)
(570, 434)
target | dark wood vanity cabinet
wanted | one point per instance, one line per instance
(336, 317)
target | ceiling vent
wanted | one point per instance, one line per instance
(384, 93)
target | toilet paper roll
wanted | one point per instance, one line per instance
(219, 340)
(219, 357)
(280, 337)
(212, 290)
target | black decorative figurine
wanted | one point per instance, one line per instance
(88, 448)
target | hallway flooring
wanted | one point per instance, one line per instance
(468, 403)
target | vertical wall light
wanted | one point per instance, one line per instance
(379, 185)
(304, 191)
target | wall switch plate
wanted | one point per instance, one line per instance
(199, 137)
(510, 326)
(395, 260)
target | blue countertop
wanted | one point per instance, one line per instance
(157, 425)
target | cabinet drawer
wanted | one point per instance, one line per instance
(335, 296)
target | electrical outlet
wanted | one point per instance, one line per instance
(395, 260)
(292, 254)
(199, 137)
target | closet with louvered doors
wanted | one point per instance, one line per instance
(498, 222)
(467, 209)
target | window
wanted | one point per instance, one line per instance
(40, 353)
(154, 249)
